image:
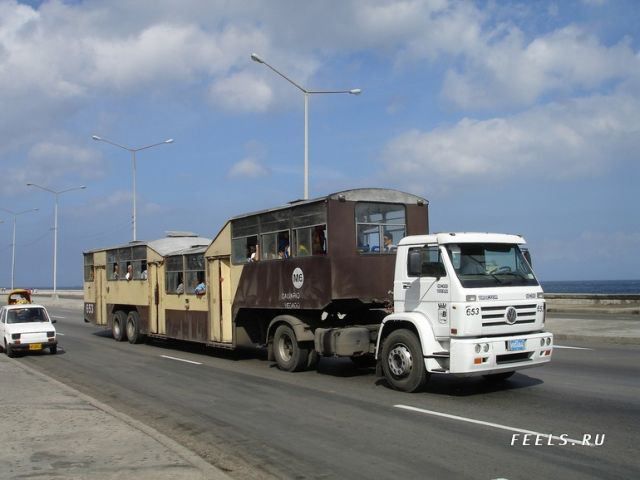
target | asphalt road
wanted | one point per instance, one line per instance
(245, 416)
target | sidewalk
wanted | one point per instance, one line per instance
(52, 431)
(605, 328)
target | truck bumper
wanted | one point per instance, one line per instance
(499, 354)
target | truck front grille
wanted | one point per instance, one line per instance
(496, 316)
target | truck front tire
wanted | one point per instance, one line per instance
(288, 354)
(402, 361)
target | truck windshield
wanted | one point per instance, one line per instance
(481, 265)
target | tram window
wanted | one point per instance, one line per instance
(374, 221)
(243, 248)
(88, 267)
(174, 273)
(275, 245)
(311, 241)
(194, 271)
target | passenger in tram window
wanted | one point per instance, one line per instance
(201, 288)
(180, 287)
(116, 271)
(129, 275)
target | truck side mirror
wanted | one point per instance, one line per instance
(414, 264)
(433, 269)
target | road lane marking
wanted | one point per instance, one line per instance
(489, 424)
(572, 348)
(58, 333)
(57, 316)
(180, 359)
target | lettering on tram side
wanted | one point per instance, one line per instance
(290, 300)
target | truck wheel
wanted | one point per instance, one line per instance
(402, 361)
(289, 356)
(118, 325)
(133, 327)
(498, 377)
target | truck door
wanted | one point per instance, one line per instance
(425, 287)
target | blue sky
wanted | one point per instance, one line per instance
(518, 117)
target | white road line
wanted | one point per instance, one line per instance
(180, 359)
(572, 348)
(57, 316)
(489, 424)
(58, 333)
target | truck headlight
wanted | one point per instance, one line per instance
(485, 347)
(51, 334)
(478, 348)
(15, 336)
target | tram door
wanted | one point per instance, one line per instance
(220, 299)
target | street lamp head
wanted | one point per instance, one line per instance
(355, 91)
(96, 137)
(256, 58)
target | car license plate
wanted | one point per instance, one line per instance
(516, 345)
(35, 346)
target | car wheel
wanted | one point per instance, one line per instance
(53, 349)
(8, 350)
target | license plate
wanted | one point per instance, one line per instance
(516, 345)
(35, 346)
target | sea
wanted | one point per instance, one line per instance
(609, 287)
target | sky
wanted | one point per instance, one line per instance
(508, 116)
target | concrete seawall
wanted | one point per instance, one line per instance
(627, 304)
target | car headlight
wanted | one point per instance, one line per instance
(51, 334)
(15, 336)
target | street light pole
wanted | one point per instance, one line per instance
(13, 243)
(306, 93)
(133, 168)
(55, 229)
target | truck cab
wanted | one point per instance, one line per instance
(464, 304)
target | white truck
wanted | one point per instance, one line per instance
(464, 304)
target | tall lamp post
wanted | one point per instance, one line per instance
(307, 93)
(133, 165)
(56, 194)
(13, 244)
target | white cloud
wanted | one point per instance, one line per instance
(241, 92)
(560, 140)
(511, 71)
(249, 167)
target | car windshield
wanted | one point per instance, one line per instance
(481, 265)
(27, 315)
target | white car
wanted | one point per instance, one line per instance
(26, 328)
